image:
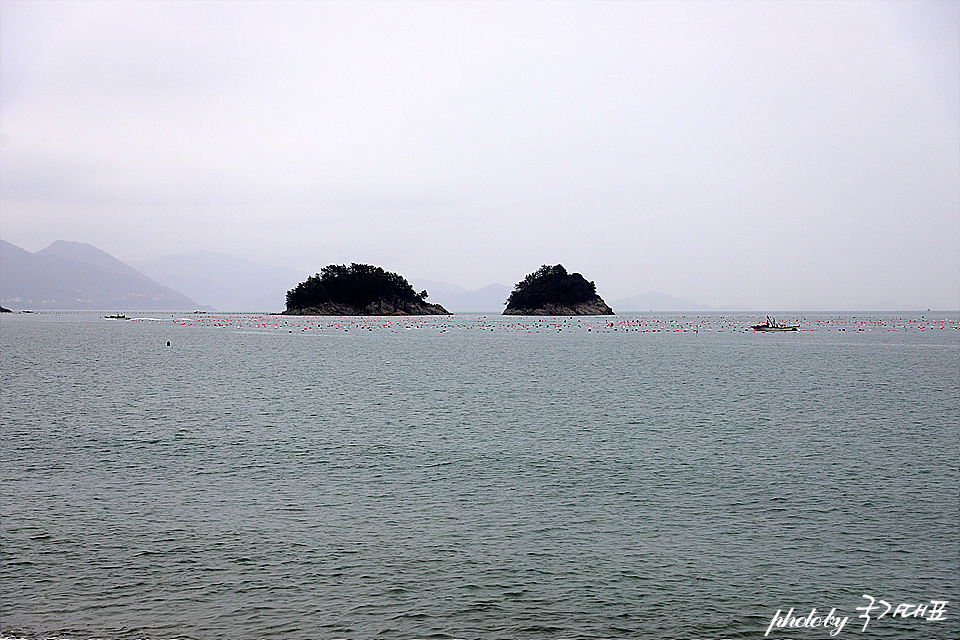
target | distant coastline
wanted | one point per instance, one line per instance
(69, 276)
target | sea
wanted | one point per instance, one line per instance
(214, 476)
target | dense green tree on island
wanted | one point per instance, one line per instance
(361, 288)
(357, 285)
(551, 285)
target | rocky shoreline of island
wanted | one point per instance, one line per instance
(582, 309)
(378, 308)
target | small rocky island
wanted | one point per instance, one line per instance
(358, 290)
(551, 291)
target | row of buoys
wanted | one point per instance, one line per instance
(527, 324)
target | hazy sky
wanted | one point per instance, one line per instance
(774, 154)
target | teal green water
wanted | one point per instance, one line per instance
(475, 477)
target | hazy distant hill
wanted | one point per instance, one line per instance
(492, 298)
(225, 282)
(73, 275)
(655, 301)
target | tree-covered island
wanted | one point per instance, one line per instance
(358, 290)
(551, 291)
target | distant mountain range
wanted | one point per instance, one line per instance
(489, 299)
(72, 275)
(493, 299)
(224, 282)
(655, 301)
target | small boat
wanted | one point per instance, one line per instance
(119, 316)
(772, 325)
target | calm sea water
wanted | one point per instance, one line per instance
(484, 477)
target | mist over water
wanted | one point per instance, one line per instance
(474, 477)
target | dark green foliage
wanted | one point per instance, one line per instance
(551, 285)
(357, 285)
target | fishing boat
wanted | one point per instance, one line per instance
(772, 325)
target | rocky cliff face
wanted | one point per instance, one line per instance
(595, 307)
(379, 308)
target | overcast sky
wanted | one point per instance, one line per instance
(774, 154)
